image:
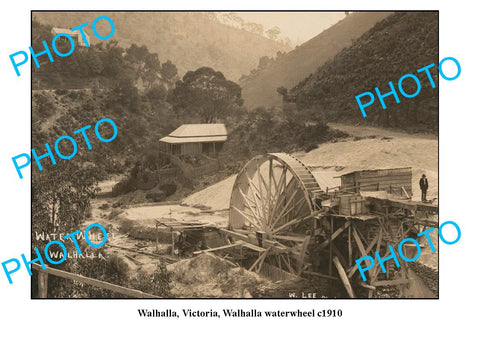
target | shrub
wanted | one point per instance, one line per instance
(158, 283)
(311, 146)
(45, 106)
(61, 92)
(169, 189)
(157, 196)
(123, 187)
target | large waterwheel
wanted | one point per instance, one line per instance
(273, 194)
(273, 199)
(277, 219)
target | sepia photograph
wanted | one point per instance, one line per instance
(234, 155)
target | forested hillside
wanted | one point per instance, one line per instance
(146, 99)
(400, 44)
(286, 70)
(190, 39)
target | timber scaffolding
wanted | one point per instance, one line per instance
(284, 225)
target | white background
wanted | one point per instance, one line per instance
(453, 315)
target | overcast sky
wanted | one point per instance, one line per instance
(298, 26)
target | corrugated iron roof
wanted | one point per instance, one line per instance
(176, 140)
(199, 130)
(57, 30)
(197, 133)
(368, 170)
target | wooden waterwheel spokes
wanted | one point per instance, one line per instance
(272, 194)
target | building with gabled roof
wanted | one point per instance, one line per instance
(195, 139)
(76, 36)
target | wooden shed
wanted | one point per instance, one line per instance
(195, 139)
(390, 180)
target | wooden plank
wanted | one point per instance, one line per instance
(360, 246)
(255, 212)
(42, 284)
(94, 282)
(296, 221)
(278, 247)
(364, 285)
(289, 238)
(278, 193)
(138, 263)
(247, 217)
(283, 213)
(237, 244)
(287, 263)
(390, 282)
(235, 234)
(335, 234)
(343, 277)
(359, 242)
(353, 268)
(330, 247)
(350, 247)
(257, 261)
(321, 275)
(257, 197)
(376, 267)
(165, 257)
(302, 254)
(264, 256)
(405, 192)
(372, 243)
(386, 177)
(339, 255)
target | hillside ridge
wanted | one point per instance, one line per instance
(189, 39)
(291, 68)
(398, 45)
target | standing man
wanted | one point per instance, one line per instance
(424, 186)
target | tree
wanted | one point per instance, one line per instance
(206, 93)
(112, 59)
(40, 32)
(168, 71)
(253, 27)
(273, 32)
(136, 54)
(93, 62)
(127, 94)
(263, 62)
(61, 196)
(152, 64)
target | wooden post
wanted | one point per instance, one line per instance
(173, 242)
(343, 277)
(302, 254)
(42, 284)
(156, 237)
(349, 247)
(330, 250)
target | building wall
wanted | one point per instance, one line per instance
(390, 180)
(189, 149)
